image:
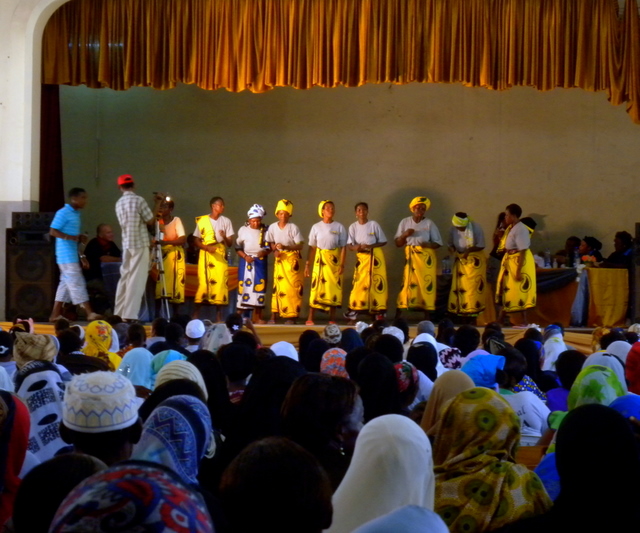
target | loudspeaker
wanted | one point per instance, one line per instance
(32, 274)
(32, 221)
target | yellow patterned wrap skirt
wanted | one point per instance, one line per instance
(326, 281)
(468, 284)
(370, 290)
(419, 279)
(517, 295)
(213, 272)
(286, 297)
(173, 260)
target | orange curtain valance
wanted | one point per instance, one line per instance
(262, 44)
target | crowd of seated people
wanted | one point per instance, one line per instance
(201, 427)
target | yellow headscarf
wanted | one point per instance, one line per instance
(321, 206)
(98, 337)
(420, 200)
(284, 205)
(460, 222)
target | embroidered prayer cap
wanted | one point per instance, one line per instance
(99, 402)
(420, 200)
(256, 211)
(181, 370)
(321, 206)
(460, 222)
(284, 205)
(32, 347)
(334, 363)
(332, 334)
(124, 179)
(195, 329)
(396, 332)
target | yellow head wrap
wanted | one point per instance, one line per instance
(420, 200)
(321, 206)
(284, 205)
(460, 222)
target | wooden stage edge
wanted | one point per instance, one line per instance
(578, 338)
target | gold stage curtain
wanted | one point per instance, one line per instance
(257, 45)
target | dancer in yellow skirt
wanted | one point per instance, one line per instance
(213, 234)
(469, 279)
(286, 242)
(327, 251)
(420, 238)
(173, 257)
(516, 287)
(369, 293)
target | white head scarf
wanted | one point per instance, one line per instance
(392, 466)
(620, 349)
(256, 211)
(427, 337)
(553, 347)
(408, 518)
(285, 348)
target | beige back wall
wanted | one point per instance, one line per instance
(567, 157)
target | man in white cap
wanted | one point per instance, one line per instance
(193, 333)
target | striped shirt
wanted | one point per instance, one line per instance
(67, 220)
(133, 212)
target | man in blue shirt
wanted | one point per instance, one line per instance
(66, 228)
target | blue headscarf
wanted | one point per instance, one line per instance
(177, 435)
(162, 359)
(136, 367)
(482, 369)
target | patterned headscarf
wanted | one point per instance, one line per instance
(31, 347)
(98, 336)
(465, 223)
(321, 206)
(478, 486)
(133, 496)
(177, 435)
(420, 200)
(333, 363)
(406, 374)
(256, 211)
(595, 384)
(284, 205)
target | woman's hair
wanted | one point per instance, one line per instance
(568, 366)
(315, 408)
(515, 367)
(626, 238)
(46, 486)
(515, 210)
(365, 204)
(466, 339)
(378, 386)
(274, 484)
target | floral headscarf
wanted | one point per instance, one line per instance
(98, 338)
(333, 363)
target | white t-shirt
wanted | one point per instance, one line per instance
(367, 233)
(290, 235)
(222, 224)
(518, 238)
(173, 230)
(531, 410)
(328, 236)
(249, 241)
(458, 238)
(425, 232)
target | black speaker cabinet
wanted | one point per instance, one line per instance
(32, 274)
(31, 221)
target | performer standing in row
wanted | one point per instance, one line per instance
(213, 235)
(369, 293)
(516, 287)
(66, 228)
(421, 238)
(173, 257)
(253, 248)
(327, 251)
(469, 279)
(286, 242)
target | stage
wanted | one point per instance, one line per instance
(580, 339)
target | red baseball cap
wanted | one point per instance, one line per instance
(125, 178)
